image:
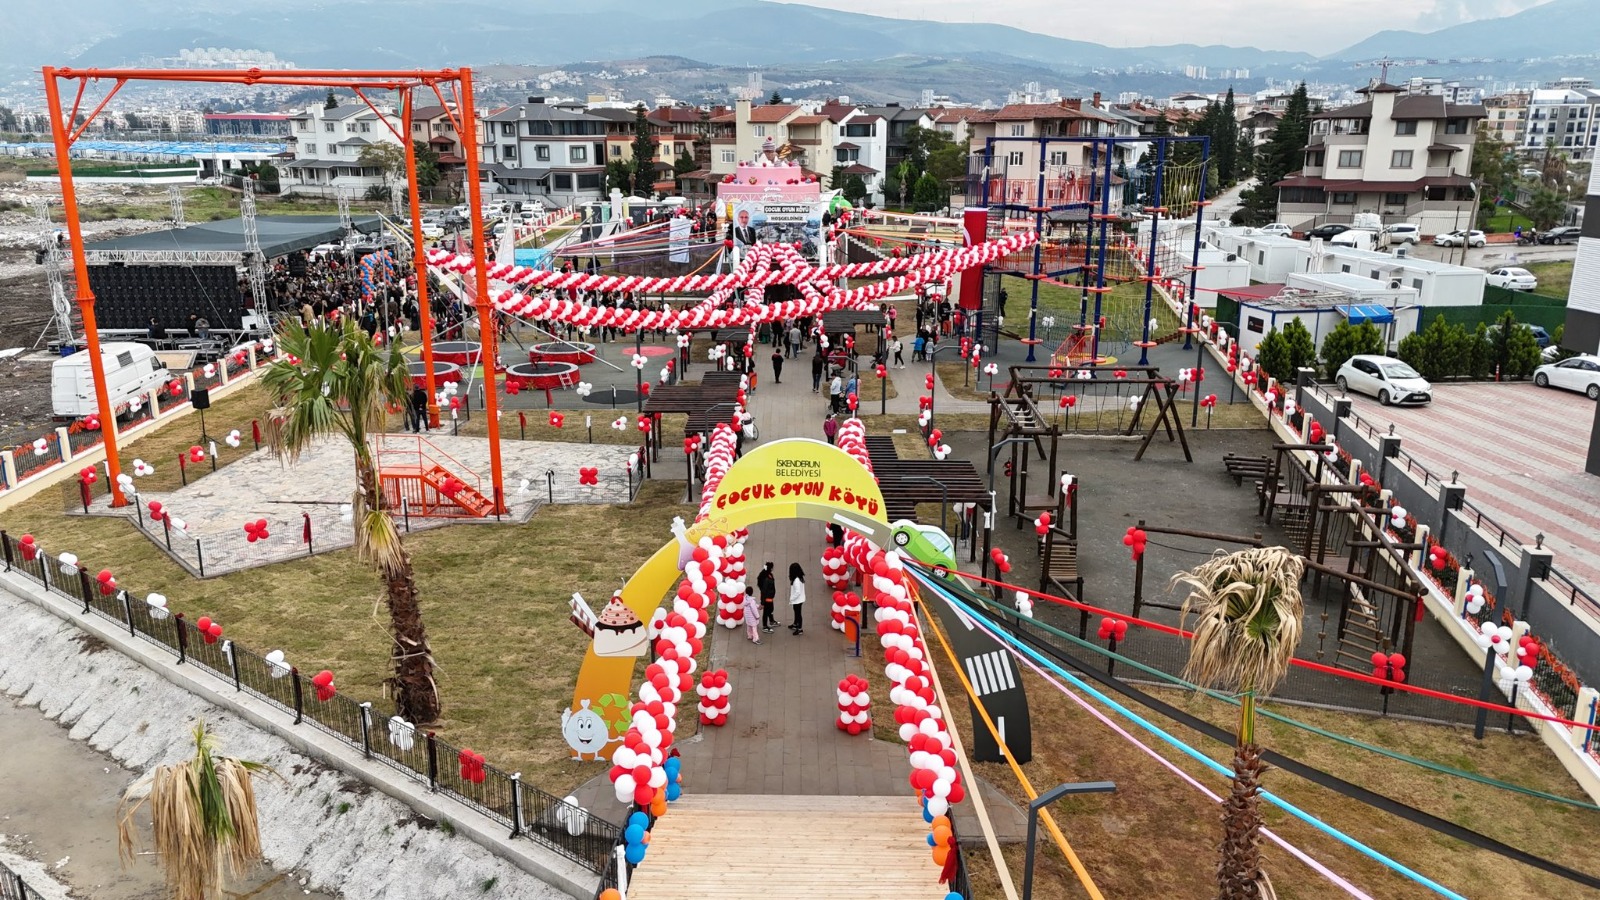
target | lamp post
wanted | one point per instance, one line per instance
(944, 503)
(1039, 803)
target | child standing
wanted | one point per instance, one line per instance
(752, 615)
(797, 597)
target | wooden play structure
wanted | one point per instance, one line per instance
(425, 481)
(1089, 399)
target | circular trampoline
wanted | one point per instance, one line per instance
(442, 371)
(543, 376)
(576, 353)
(461, 353)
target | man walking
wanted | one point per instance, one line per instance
(817, 365)
(767, 585)
(795, 340)
(419, 409)
(777, 367)
(835, 392)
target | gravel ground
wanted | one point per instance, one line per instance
(327, 827)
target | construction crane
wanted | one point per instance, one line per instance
(51, 257)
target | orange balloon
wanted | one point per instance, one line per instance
(645, 839)
(941, 855)
(658, 807)
(610, 894)
(939, 821)
(941, 836)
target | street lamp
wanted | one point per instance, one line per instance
(1039, 803)
(944, 503)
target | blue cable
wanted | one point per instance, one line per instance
(1018, 647)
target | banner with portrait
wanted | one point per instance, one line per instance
(778, 222)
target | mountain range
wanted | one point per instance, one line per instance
(726, 33)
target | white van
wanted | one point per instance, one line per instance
(1359, 239)
(131, 369)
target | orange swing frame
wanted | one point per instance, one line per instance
(66, 130)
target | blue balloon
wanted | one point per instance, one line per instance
(673, 765)
(953, 896)
(674, 791)
(930, 841)
(927, 817)
(634, 854)
(634, 834)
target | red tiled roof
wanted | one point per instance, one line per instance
(725, 117)
(836, 112)
(846, 145)
(808, 120)
(1017, 111)
(771, 115)
(859, 169)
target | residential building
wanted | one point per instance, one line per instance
(247, 124)
(327, 146)
(1405, 157)
(861, 145)
(553, 151)
(1583, 300)
(435, 126)
(1508, 116)
(896, 120)
(1565, 118)
(1007, 146)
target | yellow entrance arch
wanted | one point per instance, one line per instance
(795, 478)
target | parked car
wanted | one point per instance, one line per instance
(1324, 232)
(1403, 233)
(1514, 278)
(1578, 373)
(1277, 228)
(1540, 335)
(1384, 377)
(1566, 234)
(1457, 238)
(1531, 172)
(432, 230)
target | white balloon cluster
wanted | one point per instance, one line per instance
(1397, 518)
(402, 734)
(621, 423)
(276, 667)
(1474, 600)
(125, 481)
(142, 468)
(234, 439)
(583, 389)
(1024, 605)
(69, 563)
(158, 606)
(639, 361)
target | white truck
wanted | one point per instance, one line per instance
(1366, 233)
(131, 369)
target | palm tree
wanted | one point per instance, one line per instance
(203, 815)
(1249, 614)
(343, 385)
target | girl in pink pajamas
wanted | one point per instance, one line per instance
(752, 615)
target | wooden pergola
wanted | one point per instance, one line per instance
(906, 483)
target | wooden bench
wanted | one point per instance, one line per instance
(1241, 467)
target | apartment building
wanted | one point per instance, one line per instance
(1005, 147)
(1405, 157)
(552, 151)
(1583, 301)
(1507, 116)
(1566, 118)
(327, 145)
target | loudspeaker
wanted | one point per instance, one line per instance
(200, 398)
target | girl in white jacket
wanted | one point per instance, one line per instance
(797, 597)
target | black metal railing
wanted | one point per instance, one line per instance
(12, 887)
(522, 808)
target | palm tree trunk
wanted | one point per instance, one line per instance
(1239, 875)
(416, 694)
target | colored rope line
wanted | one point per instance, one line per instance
(1168, 764)
(1297, 662)
(1179, 682)
(1011, 643)
(1077, 865)
(1311, 773)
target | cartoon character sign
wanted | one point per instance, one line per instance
(586, 732)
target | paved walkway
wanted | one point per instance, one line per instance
(780, 737)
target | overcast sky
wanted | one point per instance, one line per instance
(1314, 26)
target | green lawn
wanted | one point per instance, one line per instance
(209, 204)
(1555, 277)
(1505, 221)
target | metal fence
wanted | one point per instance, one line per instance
(12, 887)
(524, 809)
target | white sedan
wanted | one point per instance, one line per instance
(1457, 238)
(1277, 228)
(1384, 377)
(1513, 278)
(1579, 373)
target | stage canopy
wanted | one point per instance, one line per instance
(279, 235)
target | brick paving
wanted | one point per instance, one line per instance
(1520, 452)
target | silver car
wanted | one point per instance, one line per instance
(1384, 377)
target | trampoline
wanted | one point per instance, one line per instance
(442, 371)
(461, 353)
(544, 376)
(576, 353)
